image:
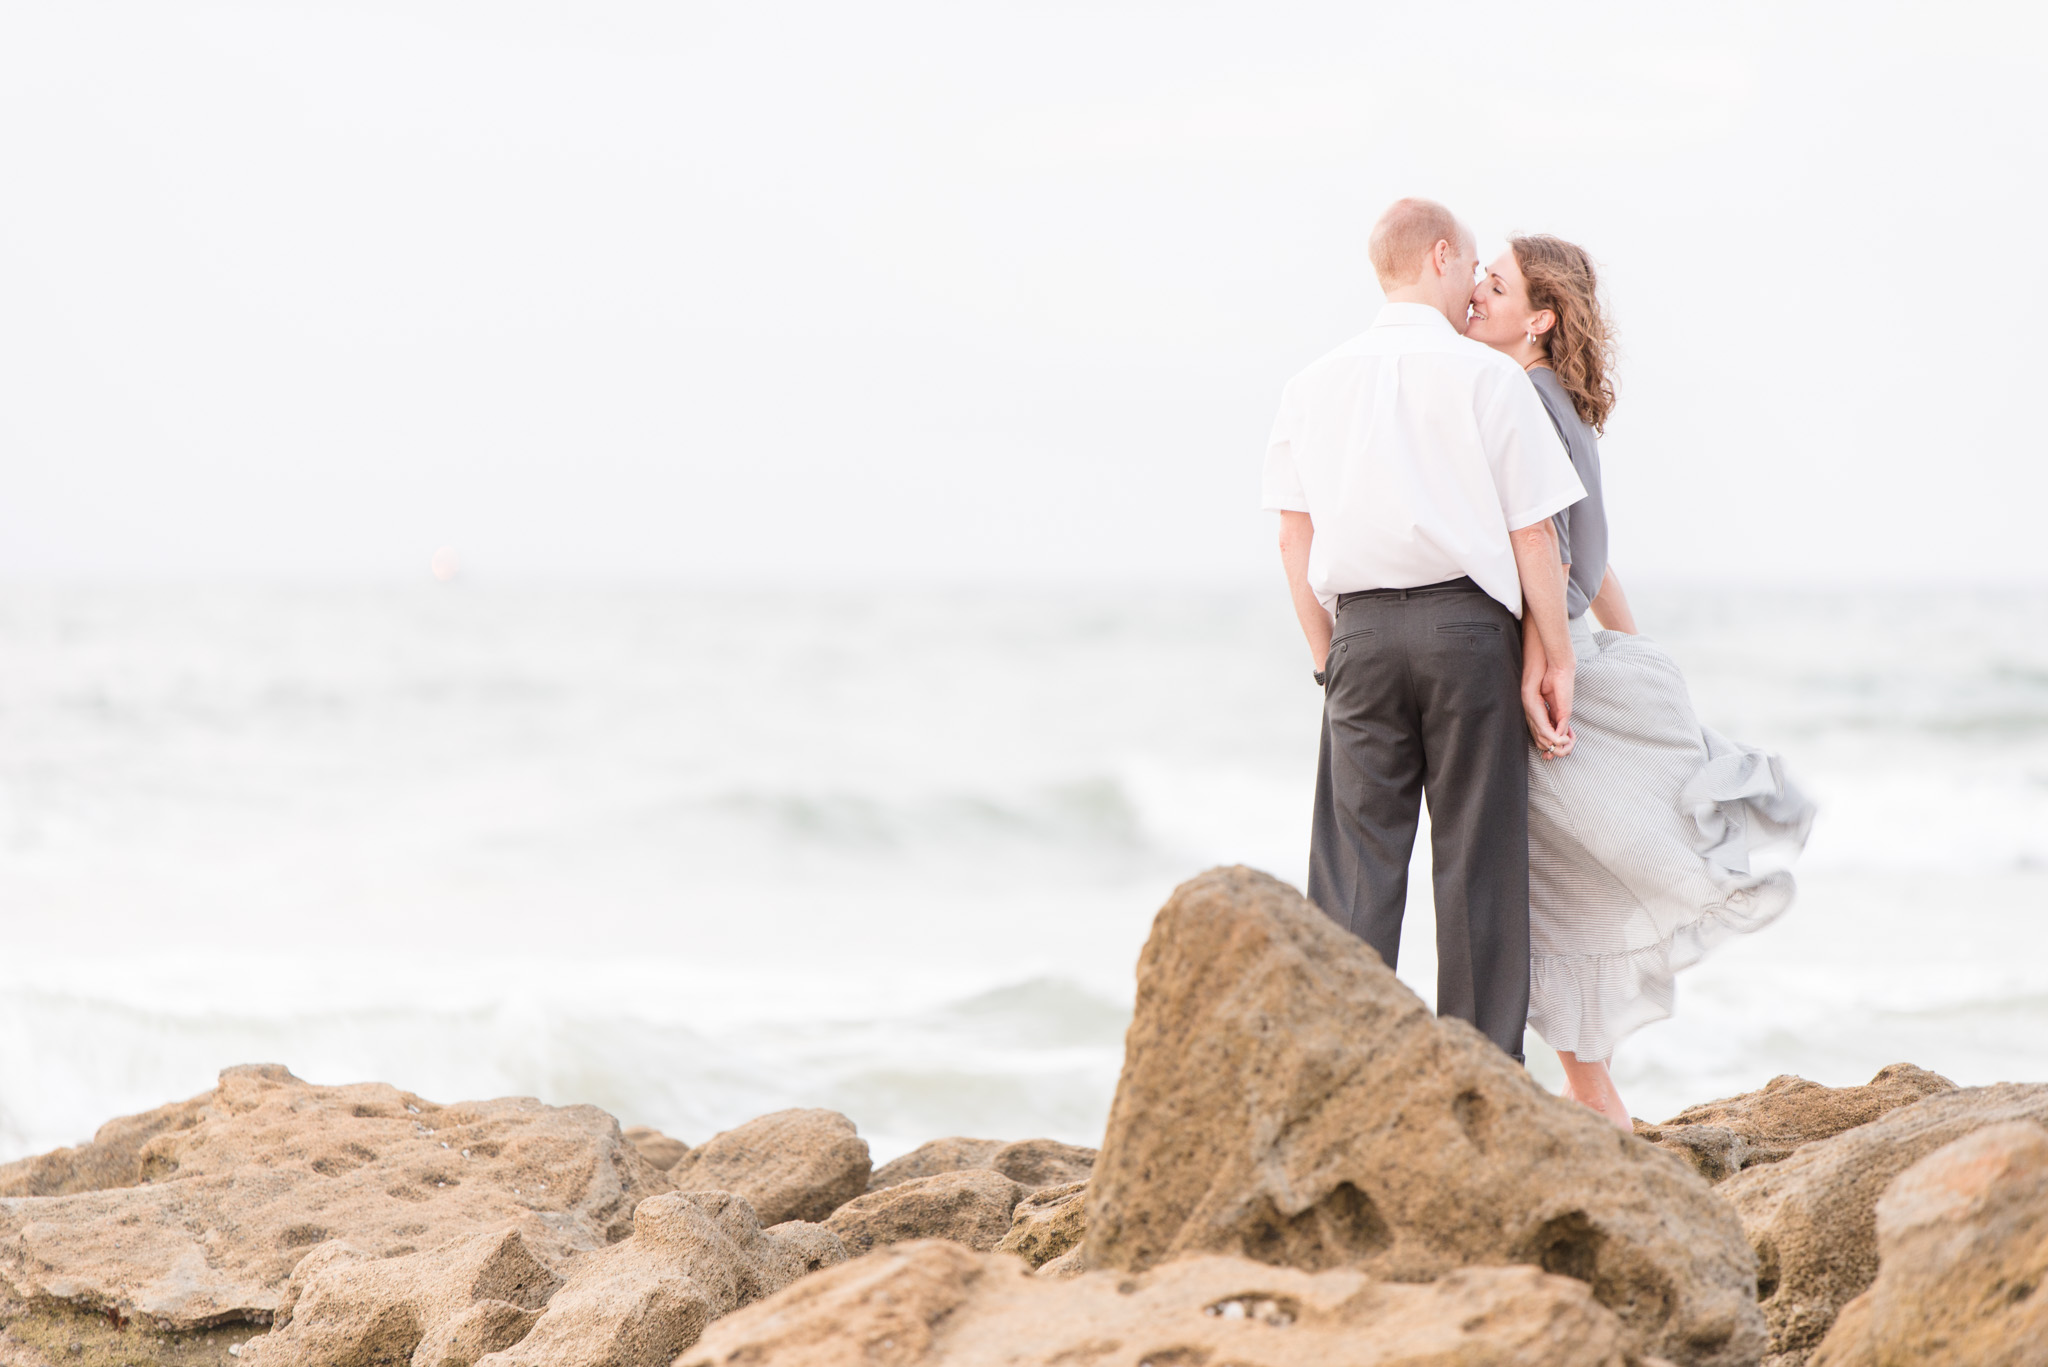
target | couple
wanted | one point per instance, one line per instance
(1441, 525)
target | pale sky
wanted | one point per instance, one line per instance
(957, 292)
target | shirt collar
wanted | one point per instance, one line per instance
(1400, 315)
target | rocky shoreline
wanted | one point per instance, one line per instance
(1302, 1166)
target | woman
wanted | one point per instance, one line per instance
(1642, 826)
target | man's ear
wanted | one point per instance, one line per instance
(1440, 256)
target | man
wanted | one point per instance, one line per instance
(1415, 473)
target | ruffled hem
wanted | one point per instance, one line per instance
(1588, 1003)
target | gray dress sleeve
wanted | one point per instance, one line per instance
(1581, 528)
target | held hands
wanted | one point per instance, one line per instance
(1547, 699)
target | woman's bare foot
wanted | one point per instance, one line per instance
(1590, 1085)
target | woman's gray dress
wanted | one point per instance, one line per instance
(1640, 839)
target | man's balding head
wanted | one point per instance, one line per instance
(1407, 236)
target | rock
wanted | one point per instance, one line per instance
(656, 1147)
(1812, 1218)
(1962, 1240)
(1068, 1264)
(49, 1334)
(112, 1159)
(1030, 1163)
(1715, 1153)
(691, 1259)
(1284, 1098)
(791, 1165)
(1037, 1163)
(442, 1308)
(971, 1206)
(1720, 1138)
(937, 1156)
(231, 1204)
(937, 1304)
(1047, 1224)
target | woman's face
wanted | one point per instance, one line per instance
(1501, 316)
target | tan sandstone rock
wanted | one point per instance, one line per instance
(934, 1157)
(691, 1259)
(1812, 1218)
(790, 1165)
(1284, 1098)
(446, 1307)
(112, 1159)
(1037, 1163)
(230, 1205)
(1030, 1163)
(1047, 1224)
(1962, 1280)
(972, 1206)
(656, 1147)
(1721, 1138)
(936, 1304)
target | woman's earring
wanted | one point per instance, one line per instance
(1532, 337)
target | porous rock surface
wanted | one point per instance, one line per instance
(1037, 1163)
(112, 1159)
(1284, 1098)
(691, 1259)
(1962, 1241)
(789, 1165)
(972, 1206)
(1047, 1224)
(227, 1207)
(1721, 1138)
(1030, 1163)
(445, 1307)
(656, 1147)
(1812, 1218)
(936, 1304)
(934, 1157)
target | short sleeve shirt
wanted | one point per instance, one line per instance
(1415, 451)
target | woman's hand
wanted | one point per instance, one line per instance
(1546, 695)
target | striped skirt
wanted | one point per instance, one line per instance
(1641, 843)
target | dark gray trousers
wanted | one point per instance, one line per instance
(1422, 696)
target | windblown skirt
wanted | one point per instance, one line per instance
(1640, 847)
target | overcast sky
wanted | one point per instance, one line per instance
(961, 291)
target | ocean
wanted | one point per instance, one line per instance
(694, 854)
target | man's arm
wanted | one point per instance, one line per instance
(1548, 665)
(1610, 605)
(1296, 533)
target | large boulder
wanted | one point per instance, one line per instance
(1721, 1138)
(446, 1307)
(691, 1259)
(1962, 1241)
(1047, 1224)
(937, 1304)
(1284, 1098)
(972, 1206)
(227, 1207)
(1812, 1218)
(790, 1165)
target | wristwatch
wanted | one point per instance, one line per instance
(1319, 678)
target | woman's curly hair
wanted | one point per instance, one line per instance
(1580, 345)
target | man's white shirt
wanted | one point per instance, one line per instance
(1415, 451)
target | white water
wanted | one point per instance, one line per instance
(693, 855)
